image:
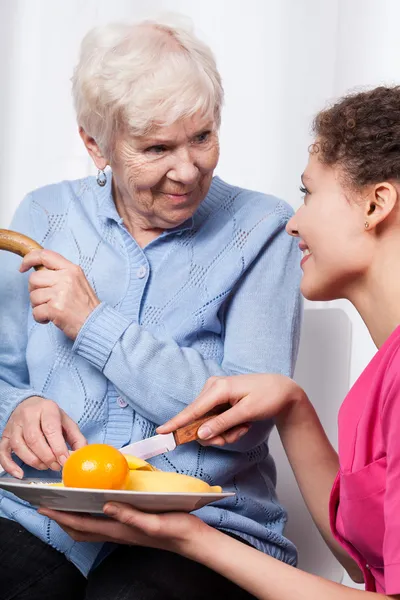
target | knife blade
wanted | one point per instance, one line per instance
(153, 446)
(166, 442)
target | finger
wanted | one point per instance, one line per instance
(229, 437)
(125, 513)
(73, 434)
(51, 422)
(209, 383)
(237, 415)
(129, 516)
(214, 393)
(47, 258)
(78, 521)
(34, 441)
(76, 534)
(80, 536)
(41, 296)
(42, 279)
(7, 462)
(41, 314)
(82, 523)
(219, 440)
(233, 435)
(21, 449)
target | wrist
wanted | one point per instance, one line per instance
(296, 399)
(84, 317)
(194, 542)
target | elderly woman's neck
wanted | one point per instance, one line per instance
(142, 231)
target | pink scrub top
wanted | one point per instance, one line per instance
(365, 499)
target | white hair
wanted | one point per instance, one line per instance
(132, 78)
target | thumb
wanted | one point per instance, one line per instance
(237, 415)
(73, 434)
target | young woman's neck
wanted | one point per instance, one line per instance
(377, 298)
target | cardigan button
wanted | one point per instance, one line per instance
(121, 402)
(141, 272)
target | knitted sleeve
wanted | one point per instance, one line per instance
(14, 306)
(261, 324)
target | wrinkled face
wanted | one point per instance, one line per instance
(165, 175)
(330, 227)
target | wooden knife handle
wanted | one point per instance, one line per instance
(17, 243)
(186, 434)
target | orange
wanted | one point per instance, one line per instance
(96, 466)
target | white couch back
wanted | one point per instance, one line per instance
(323, 370)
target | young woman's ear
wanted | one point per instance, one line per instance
(380, 203)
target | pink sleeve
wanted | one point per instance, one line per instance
(391, 436)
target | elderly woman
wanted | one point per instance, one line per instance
(156, 276)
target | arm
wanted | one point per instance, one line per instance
(25, 416)
(261, 334)
(14, 306)
(261, 575)
(313, 460)
(315, 465)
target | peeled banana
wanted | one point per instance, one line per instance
(161, 481)
(138, 464)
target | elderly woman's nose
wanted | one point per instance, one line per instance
(185, 171)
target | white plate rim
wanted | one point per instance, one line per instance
(55, 489)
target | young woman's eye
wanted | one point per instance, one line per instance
(304, 190)
(156, 149)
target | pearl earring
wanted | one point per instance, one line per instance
(101, 178)
(366, 224)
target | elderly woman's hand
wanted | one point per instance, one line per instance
(37, 432)
(252, 398)
(60, 293)
(127, 525)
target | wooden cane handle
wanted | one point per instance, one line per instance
(17, 243)
(186, 434)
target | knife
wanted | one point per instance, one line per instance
(165, 442)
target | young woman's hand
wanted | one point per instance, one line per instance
(251, 397)
(170, 531)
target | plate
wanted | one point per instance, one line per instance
(37, 493)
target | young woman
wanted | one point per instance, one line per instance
(349, 231)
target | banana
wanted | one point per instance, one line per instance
(162, 481)
(138, 464)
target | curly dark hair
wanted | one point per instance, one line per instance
(361, 134)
